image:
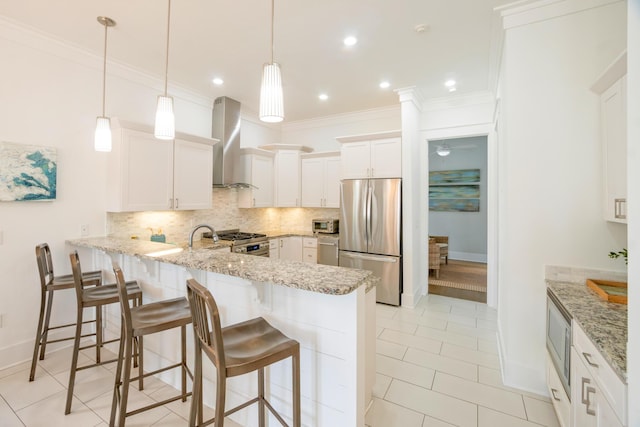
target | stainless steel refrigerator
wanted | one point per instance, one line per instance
(371, 232)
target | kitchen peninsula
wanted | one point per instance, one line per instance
(329, 310)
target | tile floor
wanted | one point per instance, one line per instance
(437, 365)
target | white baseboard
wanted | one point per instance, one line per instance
(468, 256)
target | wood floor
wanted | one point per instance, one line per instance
(460, 279)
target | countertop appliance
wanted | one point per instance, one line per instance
(325, 225)
(559, 339)
(328, 249)
(371, 232)
(244, 243)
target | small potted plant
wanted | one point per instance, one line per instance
(622, 253)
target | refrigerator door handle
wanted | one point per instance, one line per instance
(368, 214)
(371, 257)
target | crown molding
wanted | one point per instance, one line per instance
(344, 118)
(462, 100)
(527, 12)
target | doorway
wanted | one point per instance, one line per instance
(458, 217)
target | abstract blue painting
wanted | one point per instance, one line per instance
(27, 172)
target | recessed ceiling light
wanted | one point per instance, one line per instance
(217, 81)
(350, 41)
(450, 83)
(452, 89)
(385, 84)
(323, 96)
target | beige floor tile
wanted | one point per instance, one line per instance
(171, 420)
(390, 349)
(18, 392)
(21, 367)
(487, 346)
(490, 418)
(433, 404)
(102, 406)
(49, 412)
(451, 317)
(471, 331)
(464, 311)
(89, 383)
(8, 418)
(433, 422)
(381, 386)
(493, 378)
(436, 307)
(387, 414)
(409, 340)
(396, 325)
(424, 320)
(472, 356)
(385, 311)
(540, 412)
(480, 394)
(405, 371)
(439, 363)
(488, 324)
(379, 330)
(179, 407)
(448, 337)
(60, 361)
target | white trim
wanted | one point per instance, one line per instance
(527, 12)
(462, 100)
(468, 256)
(345, 118)
(370, 136)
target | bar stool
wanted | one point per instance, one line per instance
(49, 283)
(96, 296)
(235, 350)
(137, 322)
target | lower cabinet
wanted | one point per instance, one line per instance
(559, 398)
(289, 248)
(274, 248)
(310, 250)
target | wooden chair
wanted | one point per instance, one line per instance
(96, 297)
(49, 283)
(443, 244)
(137, 322)
(434, 257)
(235, 350)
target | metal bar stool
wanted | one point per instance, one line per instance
(96, 296)
(235, 350)
(49, 283)
(137, 322)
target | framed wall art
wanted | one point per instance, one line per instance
(454, 190)
(27, 172)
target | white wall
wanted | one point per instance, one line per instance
(550, 168)
(51, 95)
(467, 231)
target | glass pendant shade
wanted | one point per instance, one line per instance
(271, 105)
(102, 141)
(165, 120)
(443, 151)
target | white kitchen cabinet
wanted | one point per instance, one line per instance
(310, 250)
(291, 248)
(286, 171)
(371, 156)
(274, 248)
(559, 398)
(257, 170)
(145, 173)
(320, 180)
(612, 88)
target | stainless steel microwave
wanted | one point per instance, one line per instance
(559, 339)
(324, 225)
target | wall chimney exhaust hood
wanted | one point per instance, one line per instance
(226, 154)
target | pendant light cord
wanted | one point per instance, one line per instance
(166, 66)
(104, 69)
(272, 19)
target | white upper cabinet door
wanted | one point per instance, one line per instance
(356, 160)
(193, 175)
(263, 179)
(287, 171)
(312, 182)
(332, 182)
(614, 141)
(386, 158)
(146, 174)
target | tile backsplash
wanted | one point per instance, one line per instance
(225, 214)
(580, 274)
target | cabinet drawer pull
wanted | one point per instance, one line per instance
(176, 203)
(553, 393)
(589, 391)
(584, 381)
(587, 357)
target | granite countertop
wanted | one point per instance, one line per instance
(323, 279)
(604, 323)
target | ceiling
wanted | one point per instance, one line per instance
(231, 39)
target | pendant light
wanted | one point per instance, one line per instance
(165, 127)
(102, 138)
(271, 105)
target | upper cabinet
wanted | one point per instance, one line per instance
(146, 173)
(371, 156)
(257, 171)
(320, 180)
(286, 170)
(612, 88)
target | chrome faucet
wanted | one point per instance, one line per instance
(213, 232)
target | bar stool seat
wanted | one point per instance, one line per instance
(50, 283)
(137, 322)
(235, 350)
(97, 297)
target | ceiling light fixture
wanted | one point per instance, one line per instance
(102, 138)
(217, 81)
(165, 127)
(350, 41)
(450, 83)
(323, 96)
(271, 98)
(443, 150)
(384, 85)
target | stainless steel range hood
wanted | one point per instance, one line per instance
(226, 154)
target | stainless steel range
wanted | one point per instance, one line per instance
(245, 243)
